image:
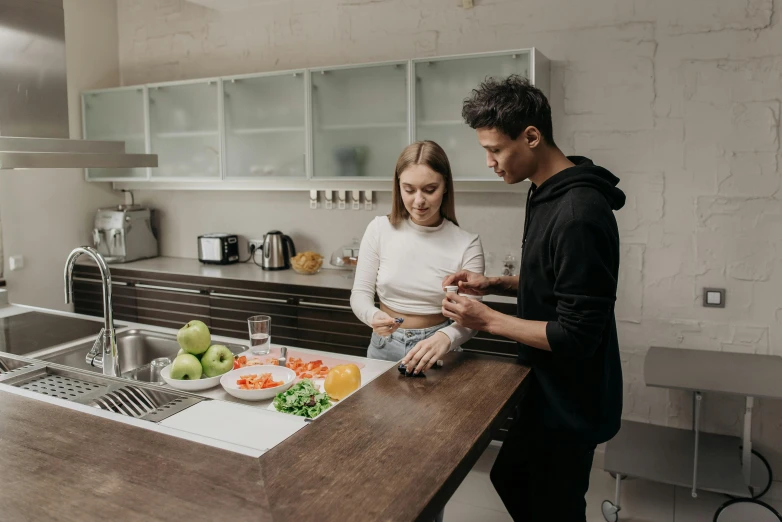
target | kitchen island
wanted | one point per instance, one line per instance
(396, 449)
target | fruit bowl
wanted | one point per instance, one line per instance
(204, 383)
(228, 381)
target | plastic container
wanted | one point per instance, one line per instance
(346, 256)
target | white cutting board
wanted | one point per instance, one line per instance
(255, 428)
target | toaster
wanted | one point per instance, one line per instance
(218, 249)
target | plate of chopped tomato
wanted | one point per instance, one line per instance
(257, 382)
(304, 369)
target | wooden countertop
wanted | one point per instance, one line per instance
(395, 450)
(63, 465)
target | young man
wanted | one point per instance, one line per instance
(566, 292)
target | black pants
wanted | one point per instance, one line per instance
(539, 482)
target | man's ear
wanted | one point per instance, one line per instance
(532, 137)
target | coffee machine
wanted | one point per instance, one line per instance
(124, 233)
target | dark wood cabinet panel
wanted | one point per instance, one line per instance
(240, 310)
(481, 344)
(88, 300)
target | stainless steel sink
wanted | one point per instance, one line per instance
(137, 400)
(136, 348)
(11, 364)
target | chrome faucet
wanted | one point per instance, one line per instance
(104, 352)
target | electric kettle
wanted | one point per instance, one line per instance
(277, 251)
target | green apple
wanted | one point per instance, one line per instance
(217, 360)
(194, 337)
(186, 367)
(181, 351)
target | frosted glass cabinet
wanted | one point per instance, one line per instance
(290, 129)
(184, 130)
(265, 126)
(116, 115)
(441, 85)
(359, 120)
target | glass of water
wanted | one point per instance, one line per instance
(260, 334)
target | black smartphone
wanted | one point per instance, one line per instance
(403, 370)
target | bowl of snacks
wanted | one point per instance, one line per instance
(307, 263)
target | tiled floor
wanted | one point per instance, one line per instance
(642, 501)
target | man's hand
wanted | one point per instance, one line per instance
(469, 282)
(467, 312)
(426, 353)
(383, 324)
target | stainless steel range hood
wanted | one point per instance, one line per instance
(34, 96)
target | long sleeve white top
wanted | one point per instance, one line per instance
(406, 265)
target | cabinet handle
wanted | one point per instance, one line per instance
(168, 288)
(250, 298)
(327, 306)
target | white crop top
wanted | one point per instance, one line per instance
(406, 266)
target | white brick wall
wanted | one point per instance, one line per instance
(680, 99)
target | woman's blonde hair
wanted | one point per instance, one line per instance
(433, 156)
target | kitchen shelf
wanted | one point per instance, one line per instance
(326, 126)
(665, 454)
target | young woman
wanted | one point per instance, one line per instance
(404, 258)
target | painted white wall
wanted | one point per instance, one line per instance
(46, 213)
(680, 99)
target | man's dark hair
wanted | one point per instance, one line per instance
(509, 105)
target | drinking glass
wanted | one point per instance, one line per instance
(155, 367)
(260, 327)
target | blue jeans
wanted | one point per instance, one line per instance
(395, 348)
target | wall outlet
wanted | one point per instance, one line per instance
(257, 244)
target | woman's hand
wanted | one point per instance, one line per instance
(383, 324)
(426, 353)
(469, 282)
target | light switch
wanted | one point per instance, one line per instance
(16, 262)
(714, 297)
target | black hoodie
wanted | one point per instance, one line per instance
(569, 271)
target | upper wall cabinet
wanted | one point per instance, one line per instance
(441, 85)
(265, 126)
(116, 115)
(359, 120)
(322, 128)
(184, 130)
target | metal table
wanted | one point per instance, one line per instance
(692, 458)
